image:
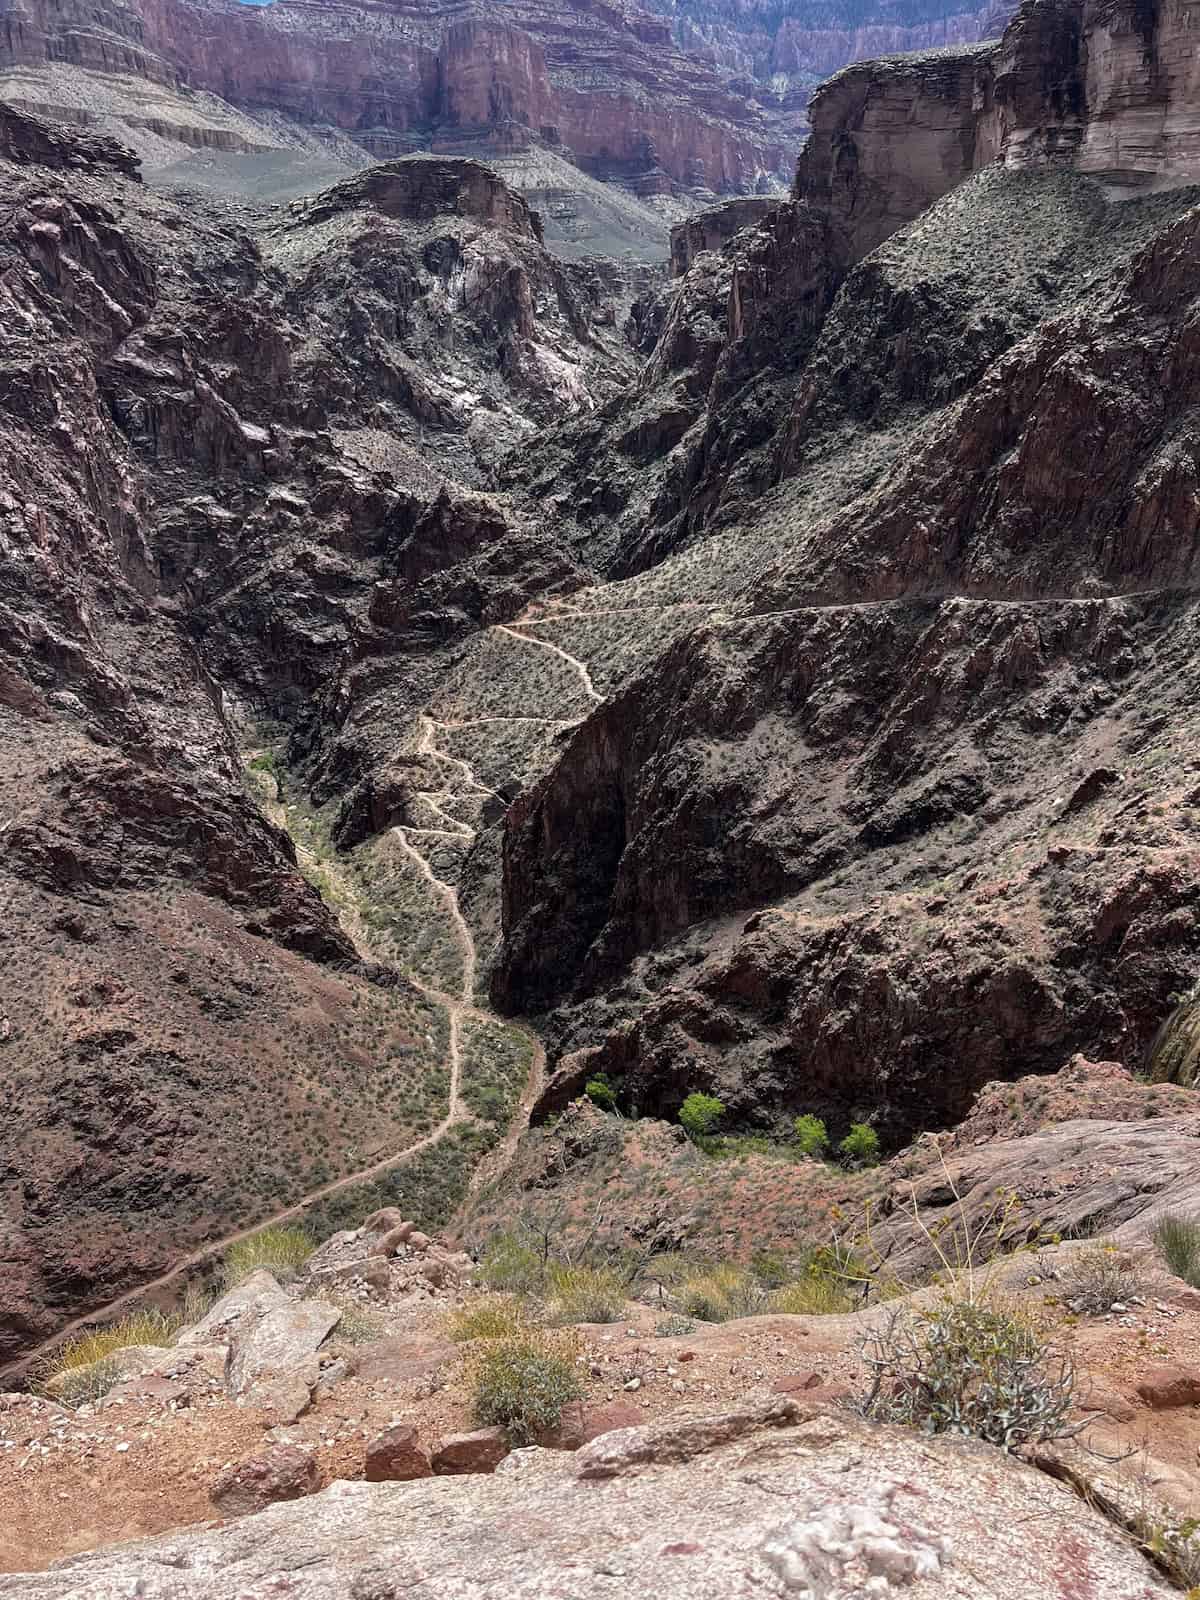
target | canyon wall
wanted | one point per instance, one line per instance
(602, 81)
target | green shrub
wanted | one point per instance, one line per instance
(522, 1383)
(811, 1135)
(85, 1367)
(769, 1267)
(586, 1294)
(358, 1324)
(674, 1327)
(860, 1147)
(495, 1316)
(699, 1114)
(281, 1250)
(511, 1264)
(966, 1367)
(1178, 1240)
(601, 1093)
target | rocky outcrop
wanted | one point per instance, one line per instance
(420, 189)
(713, 228)
(817, 1504)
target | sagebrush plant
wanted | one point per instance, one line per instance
(673, 1327)
(281, 1250)
(494, 1316)
(969, 1367)
(1101, 1276)
(585, 1294)
(80, 1386)
(1178, 1241)
(523, 1382)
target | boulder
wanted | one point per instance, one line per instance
(391, 1241)
(1168, 1386)
(246, 1301)
(372, 1270)
(580, 1424)
(419, 1241)
(280, 1472)
(831, 1507)
(481, 1451)
(395, 1456)
(397, 1359)
(628, 1450)
(381, 1221)
(278, 1343)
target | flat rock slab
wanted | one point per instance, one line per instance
(820, 1507)
(247, 1301)
(277, 1343)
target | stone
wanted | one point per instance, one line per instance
(399, 1358)
(1102, 1397)
(395, 1456)
(283, 1399)
(796, 1383)
(247, 1301)
(480, 1451)
(627, 1450)
(419, 1241)
(280, 1472)
(280, 1342)
(1169, 1386)
(394, 1237)
(581, 1423)
(765, 1515)
(383, 1220)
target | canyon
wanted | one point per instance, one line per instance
(440, 671)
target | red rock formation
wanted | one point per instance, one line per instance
(603, 79)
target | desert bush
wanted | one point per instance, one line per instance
(968, 1367)
(860, 1147)
(495, 1316)
(511, 1263)
(586, 1294)
(84, 1385)
(281, 1250)
(673, 1327)
(721, 1294)
(812, 1137)
(1178, 1241)
(1099, 1277)
(522, 1383)
(699, 1114)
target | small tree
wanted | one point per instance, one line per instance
(699, 1115)
(860, 1147)
(601, 1093)
(811, 1135)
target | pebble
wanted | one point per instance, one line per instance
(634, 1383)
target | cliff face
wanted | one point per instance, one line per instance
(888, 809)
(602, 81)
(215, 431)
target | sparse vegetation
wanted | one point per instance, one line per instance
(968, 1366)
(674, 1327)
(523, 1382)
(281, 1250)
(1178, 1241)
(359, 1324)
(494, 1316)
(1099, 1277)
(812, 1137)
(512, 1263)
(586, 1294)
(86, 1367)
(699, 1115)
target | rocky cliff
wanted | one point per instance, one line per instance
(211, 423)
(600, 81)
